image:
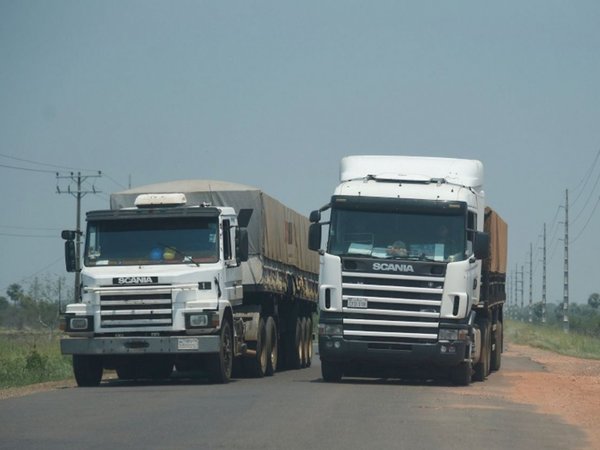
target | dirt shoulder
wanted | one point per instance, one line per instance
(563, 386)
(35, 388)
(568, 387)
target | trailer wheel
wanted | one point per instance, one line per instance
(256, 366)
(157, 367)
(461, 374)
(272, 344)
(126, 371)
(497, 351)
(482, 368)
(87, 370)
(331, 372)
(302, 343)
(220, 365)
(293, 344)
(308, 349)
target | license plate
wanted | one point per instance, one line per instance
(357, 302)
(187, 344)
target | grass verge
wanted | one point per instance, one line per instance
(554, 339)
(31, 357)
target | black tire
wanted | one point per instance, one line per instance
(272, 347)
(158, 367)
(461, 374)
(497, 350)
(220, 365)
(308, 350)
(303, 339)
(256, 366)
(127, 371)
(482, 368)
(294, 345)
(332, 372)
(87, 369)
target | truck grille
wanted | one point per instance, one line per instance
(391, 309)
(136, 310)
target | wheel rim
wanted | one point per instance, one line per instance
(263, 354)
(227, 351)
(274, 351)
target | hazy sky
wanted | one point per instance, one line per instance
(274, 93)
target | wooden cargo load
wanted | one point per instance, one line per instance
(494, 267)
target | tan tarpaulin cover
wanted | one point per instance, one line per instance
(275, 231)
(498, 230)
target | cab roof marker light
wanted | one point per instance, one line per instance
(146, 200)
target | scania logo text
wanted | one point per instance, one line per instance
(389, 267)
(135, 280)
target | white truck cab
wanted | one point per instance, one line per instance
(401, 274)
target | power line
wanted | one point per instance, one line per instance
(587, 200)
(15, 227)
(44, 164)
(29, 235)
(588, 221)
(35, 273)
(586, 177)
(114, 181)
(27, 169)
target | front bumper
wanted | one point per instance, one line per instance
(139, 345)
(348, 352)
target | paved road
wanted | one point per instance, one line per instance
(292, 410)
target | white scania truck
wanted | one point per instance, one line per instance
(413, 273)
(195, 275)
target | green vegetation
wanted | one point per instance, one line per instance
(31, 357)
(552, 337)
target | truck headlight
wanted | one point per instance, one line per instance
(79, 323)
(448, 335)
(202, 320)
(198, 320)
(452, 334)
(326, 329)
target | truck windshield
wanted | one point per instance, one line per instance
(398, 235)
(152, 241)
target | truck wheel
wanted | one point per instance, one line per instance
(331, 372)
(158, 367)
(256, 366)
(219, 365)
(273, 349)
(87, 370)
(293, 344)
(309, 344)
(303, 339)
(127, 371)
(497, 351)
(461, 374)
(482, 368)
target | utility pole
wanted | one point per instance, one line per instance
(544, 280)
(521, 291)
(566, 275)
(515, 298)
(78, 179)
(530, 282)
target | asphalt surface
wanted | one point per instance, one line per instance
(291, 410)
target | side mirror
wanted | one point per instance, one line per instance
(481, 245)
(242, 244)
(68, 235)
(315, 216)
(314, 236)
(70, 258)
(244, 217)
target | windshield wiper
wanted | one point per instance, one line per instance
(184, 258)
